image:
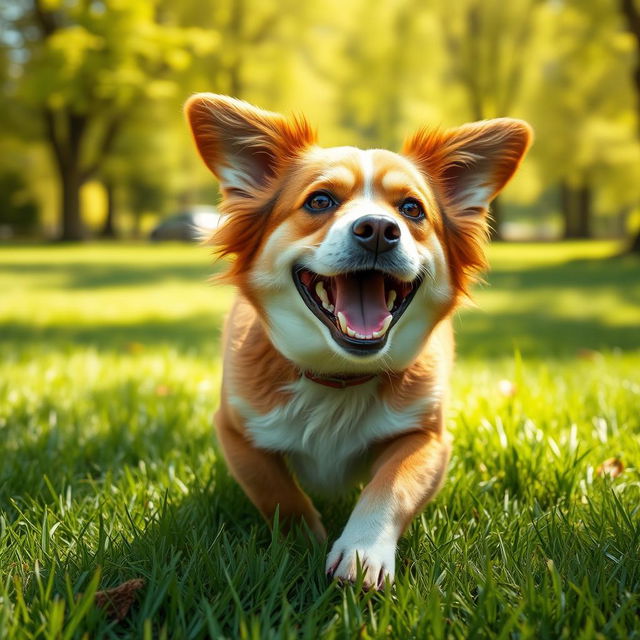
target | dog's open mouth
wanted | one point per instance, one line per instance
(358, 307)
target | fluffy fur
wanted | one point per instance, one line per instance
(281, 431)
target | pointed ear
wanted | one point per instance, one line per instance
(242, 145)
(470, 165)
(467, 167)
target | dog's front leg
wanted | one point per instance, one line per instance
(406, 474)
(266, 480)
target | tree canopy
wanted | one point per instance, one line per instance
(93, 92)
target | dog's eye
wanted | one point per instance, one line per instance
(319, 201)
(411, 208)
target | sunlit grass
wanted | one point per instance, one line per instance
(109, 376)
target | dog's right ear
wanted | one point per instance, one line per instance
(242, 145)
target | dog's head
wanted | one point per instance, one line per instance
(351, 256)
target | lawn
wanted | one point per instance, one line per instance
(109, 374)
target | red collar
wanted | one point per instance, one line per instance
(339, 382)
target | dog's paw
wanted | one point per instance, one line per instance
(377, 558)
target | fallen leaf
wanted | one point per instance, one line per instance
(587, 354)
(134, 348)
(611, 467)
(117, 601)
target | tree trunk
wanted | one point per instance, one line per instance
(72, 227)
(65, 133)
(577, 211)
(236, 29)
(109, 226)
(497, 220)
(568, 211)
(631, 13)
(584, 211)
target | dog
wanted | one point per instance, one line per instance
(338, 349)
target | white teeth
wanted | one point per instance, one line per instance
(322, 293)
(383, 328)
(391, 298)
(347, 330)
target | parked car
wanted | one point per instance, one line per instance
(190, 225)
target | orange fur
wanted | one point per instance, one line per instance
(265, 478)
(444, 156)
(271, 137)
(268, 167)
(403, 388)
(253, 360)
(408, 472)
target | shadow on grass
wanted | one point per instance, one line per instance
(100, 434)
(202, 548)
(80, 275)
(538, 335)
(210, 564)
(620, 274)
(539, 331)
(195, 333)
(93, 433)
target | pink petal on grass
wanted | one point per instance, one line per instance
(507, 388)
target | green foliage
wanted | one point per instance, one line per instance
(107, 53)
(584, 102)
(85, 69)
(109, 375)
(18, 210)
(365, 73)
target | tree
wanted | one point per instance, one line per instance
(581, 108)
(18, 210)
(87, 67)
(489, 43)
(631, 12)
(149, 166)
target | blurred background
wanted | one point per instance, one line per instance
(94, 143)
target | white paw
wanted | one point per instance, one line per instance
(376, 557)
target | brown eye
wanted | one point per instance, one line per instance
(411, 208)
(319, 201)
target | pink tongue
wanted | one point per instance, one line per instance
(360, 297)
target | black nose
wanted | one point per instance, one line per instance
(376, 233)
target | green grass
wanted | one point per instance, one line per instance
(109, 373)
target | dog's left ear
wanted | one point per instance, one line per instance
(467, 167)
(470, 165)
(242, 145)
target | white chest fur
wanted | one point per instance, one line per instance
(327, 432)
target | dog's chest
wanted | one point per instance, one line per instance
(326, 433)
